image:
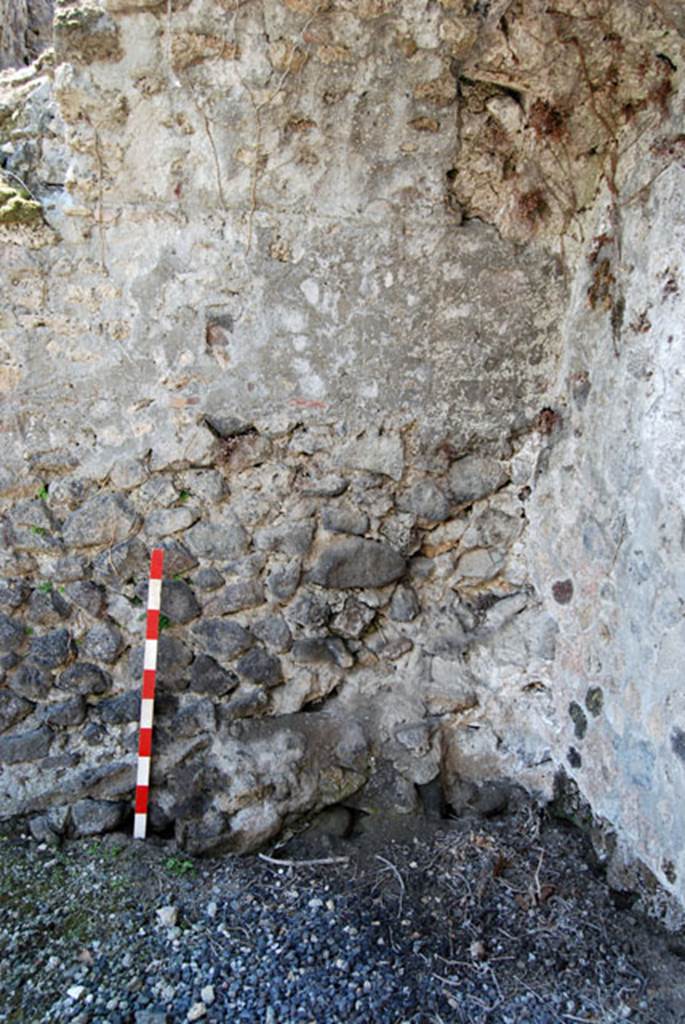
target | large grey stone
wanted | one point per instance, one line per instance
(273, 631)
(52, 649)
(283, 580)
(404, 606)
(126, 562)
(87, 596)
(259, 667)
(31, 681)
(235, 596)
(120, 709)
(207, 676)
(68, 712)
(47, 607)
(427, 500)
(344, 520)
(357, 563)
(103, 642)
(13, 593)
(287, 538)
(179, 603)
(375, 451)
(85, 679)
(12, 709)
(165, 521)
(198, 716)
(221, 638)
(475, 476)
(178, 560)
(25, 746)
(222, 540)
(103, 519)
(12, 633)
(173, 659)
(92, 817)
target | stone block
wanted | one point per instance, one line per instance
(357, 563)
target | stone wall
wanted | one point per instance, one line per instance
(293, 293)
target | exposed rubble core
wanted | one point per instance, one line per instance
(370, 312)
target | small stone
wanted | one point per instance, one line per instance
(85, 679)
(261, 668)
(426, 500)
(354, 618)
(475, 476)
(244, 594)
(13, 593)
(207, 995)
(103, 642)
(562, 591)
(358, 563)
(167, 916)
(344, 520)
(101, 520)
(196, 1011)
(222, 639)
(75, 992)
(157, 492)
(330, 651)
(404, 606)
(328, 485)
(212, 909)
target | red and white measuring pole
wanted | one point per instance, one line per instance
(147, 703)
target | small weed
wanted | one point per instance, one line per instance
(40, 531)
(183, 496)
(179, 867)
(29, 631)
(43, 492)
(164, 622)
(46, 587)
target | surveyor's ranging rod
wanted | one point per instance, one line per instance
(147, 703)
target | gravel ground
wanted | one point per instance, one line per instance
(471, 921)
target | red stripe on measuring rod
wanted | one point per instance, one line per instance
(148, 693)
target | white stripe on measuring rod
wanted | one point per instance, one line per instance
(150, 659)
(147, 708)
(154, 599)
(143, 777)
(139, 826)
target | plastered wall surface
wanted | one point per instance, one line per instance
(362, 311)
